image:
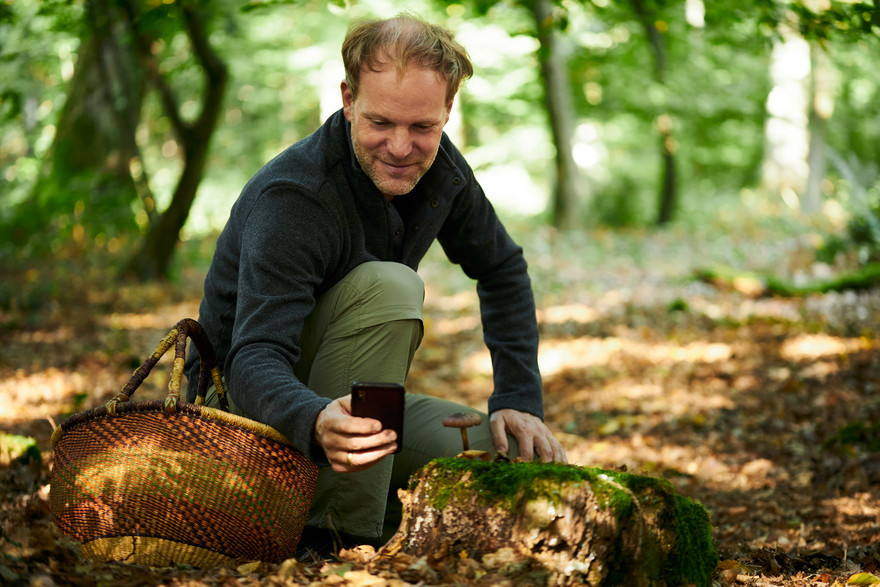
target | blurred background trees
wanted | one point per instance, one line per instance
(128, 125)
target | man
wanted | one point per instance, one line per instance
(314, 285)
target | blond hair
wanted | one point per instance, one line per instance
(403, 41)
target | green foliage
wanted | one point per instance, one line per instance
(853, 135)
(283, 61)
(860, 239)
(22, 448)
(837, 19)
(865, 435)
(715, 82)
(678, 305)
(859, 192)
(37, 52)
(624, 201)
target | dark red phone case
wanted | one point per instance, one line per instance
(382, 401)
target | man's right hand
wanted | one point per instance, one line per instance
(350, 443)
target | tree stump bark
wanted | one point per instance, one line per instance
(575, 525)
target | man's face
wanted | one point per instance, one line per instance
(396, 125)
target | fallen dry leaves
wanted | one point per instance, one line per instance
(762, 408)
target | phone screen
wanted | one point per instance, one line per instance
(381, 401)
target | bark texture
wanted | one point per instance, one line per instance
(668, 184)
(85, 179)
(154, 257)
(581, 525)
(563, 119)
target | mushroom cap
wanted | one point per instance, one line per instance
(462, 420)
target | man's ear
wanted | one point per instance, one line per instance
(347, 100)
(448, 111)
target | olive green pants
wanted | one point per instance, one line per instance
(367, 327)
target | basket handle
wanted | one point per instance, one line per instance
(207, 368)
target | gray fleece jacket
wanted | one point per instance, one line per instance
(309, 217)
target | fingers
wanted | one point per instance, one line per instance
(343, 461)
(532, 435)
(551, 450)
(351, 444)
(344, 457)
(351, 452)
(499, 434)
(548, 448)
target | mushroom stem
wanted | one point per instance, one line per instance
(463, 422)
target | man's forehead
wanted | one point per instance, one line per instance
(413, 83)
(381, 63)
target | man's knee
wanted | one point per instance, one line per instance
(388, 285)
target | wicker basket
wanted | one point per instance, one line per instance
(164, 483)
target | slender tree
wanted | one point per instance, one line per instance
(561, 114)
(94, 171)
(668, 187)
(154, 257)
(820, 109)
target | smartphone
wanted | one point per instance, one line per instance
(380, 401)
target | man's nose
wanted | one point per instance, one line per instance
(400, 144)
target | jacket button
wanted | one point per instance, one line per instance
(456, 180)
(434, 203)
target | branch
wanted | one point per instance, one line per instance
(654, 38)
(144, 43)
(215, 70)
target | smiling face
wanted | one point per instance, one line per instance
(396, 125)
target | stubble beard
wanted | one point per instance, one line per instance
(390, 186)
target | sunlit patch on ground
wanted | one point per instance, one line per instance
(737, 401)
(816, 346)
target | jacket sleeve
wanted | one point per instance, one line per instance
(474, 237)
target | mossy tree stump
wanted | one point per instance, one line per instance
(583, 525)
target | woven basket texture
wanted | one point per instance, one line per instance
(149, 487)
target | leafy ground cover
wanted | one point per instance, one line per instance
(763, 408)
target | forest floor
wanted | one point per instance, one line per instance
(765, 409)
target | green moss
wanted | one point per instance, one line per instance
(693, 557)
(531, 480)
(862, 278)
(23, 448)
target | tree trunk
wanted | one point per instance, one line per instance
(668, 186)
(557, 96)
(785, 154)
(821, 107)
(571, 525)
(87, 166)
(154, 257)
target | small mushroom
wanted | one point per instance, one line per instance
(463, 422)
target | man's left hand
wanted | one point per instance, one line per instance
(530, 433)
